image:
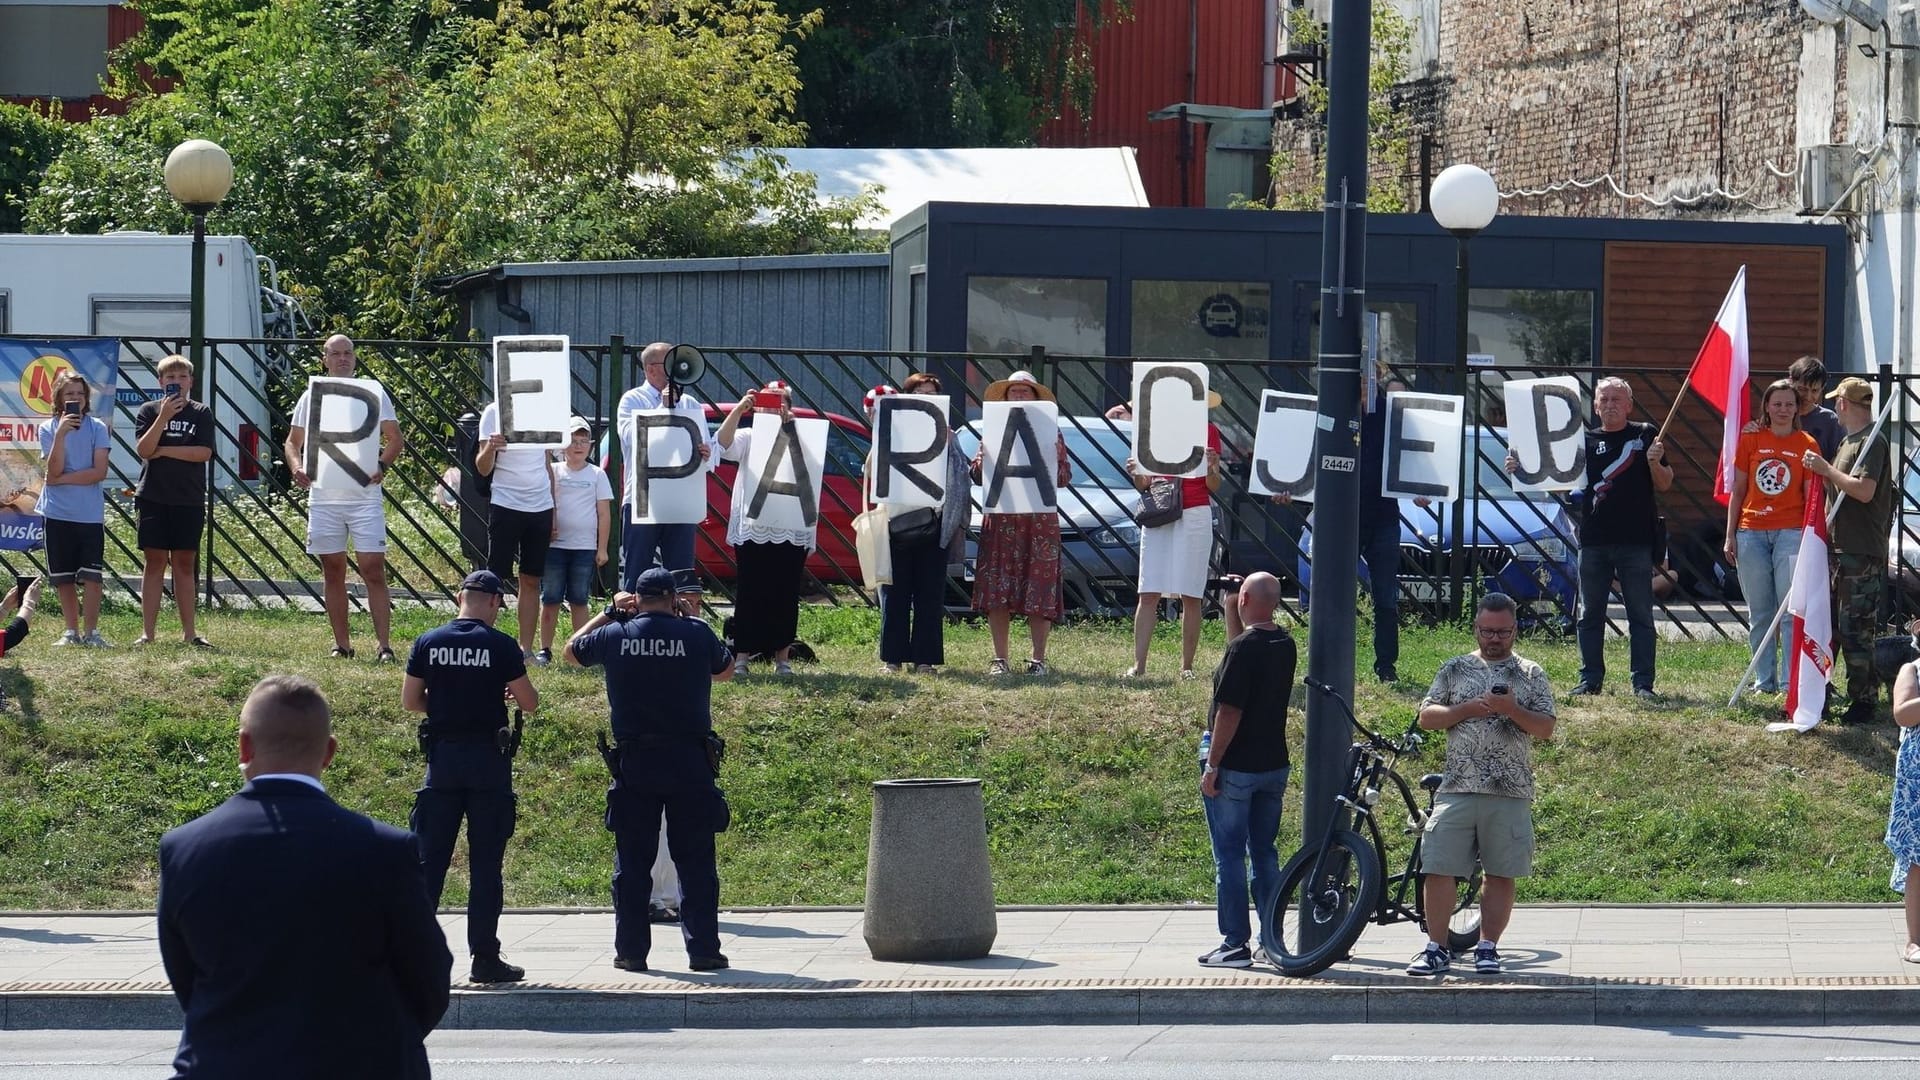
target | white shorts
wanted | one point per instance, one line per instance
(330, 525)
(1174, 556)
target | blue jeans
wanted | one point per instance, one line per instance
(1600, 564)
(1766, 558)
(639, 545)
(1244, 823)
(1380, 545)
(569, 576)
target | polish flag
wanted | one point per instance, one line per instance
(1810, 602)
(1719, 374)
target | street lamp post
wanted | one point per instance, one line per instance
(199, 174)
(1464, 201)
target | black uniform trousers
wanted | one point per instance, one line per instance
(675, 780)
(474, 780)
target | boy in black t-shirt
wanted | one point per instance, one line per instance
(175, 436)
(1246, 764)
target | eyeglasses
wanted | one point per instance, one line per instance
(1483, 631)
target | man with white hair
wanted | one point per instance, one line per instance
(1626, 465)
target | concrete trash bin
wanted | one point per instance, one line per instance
(929, 885)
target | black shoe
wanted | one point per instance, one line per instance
(1860, 712)
(1386, 675)
(1584, 690)
(716, 962)
(492, 969)
(625, 964)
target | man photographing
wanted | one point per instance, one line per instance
(661, 667)
(461, 675)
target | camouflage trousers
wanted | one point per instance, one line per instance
(1857, 581)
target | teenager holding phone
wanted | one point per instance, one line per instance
(74, 443)
(175, 436)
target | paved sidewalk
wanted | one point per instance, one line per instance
(1567, 964)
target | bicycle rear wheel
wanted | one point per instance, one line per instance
(1463, 922)
(1325, 898)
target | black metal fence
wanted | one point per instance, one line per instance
(1524, 545)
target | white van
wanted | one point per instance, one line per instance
(137, 285)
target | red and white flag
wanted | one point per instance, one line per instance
(1810, 602)
(1719, 374)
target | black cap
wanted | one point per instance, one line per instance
(485, 581)
(657, 581)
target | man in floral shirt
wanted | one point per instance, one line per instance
(1493, 704)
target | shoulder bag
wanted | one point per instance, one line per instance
(1159, 504)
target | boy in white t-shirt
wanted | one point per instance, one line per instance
(582, 517)
(520, 518)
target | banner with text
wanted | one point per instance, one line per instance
(1423, 448)
(666, 478)
(782, 471)
(28, 368)
(910, 450)
(1170, 418)
(1546, 430)
(532, 381)
(1283, 445)
(1020, 457)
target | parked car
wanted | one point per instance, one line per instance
(833, 559)
(1099, 541)
(1521, 545)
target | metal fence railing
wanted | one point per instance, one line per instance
(255, 550)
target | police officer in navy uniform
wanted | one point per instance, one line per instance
(461, 676)
(661, 665)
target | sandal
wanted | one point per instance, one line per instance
(342, 652)
(142, 641)
(385, 656)
(199, 642)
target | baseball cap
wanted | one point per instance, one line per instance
(1858, 391)
(656, 581)
(485, 581)
(579, 423)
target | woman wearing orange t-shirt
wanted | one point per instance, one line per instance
(1765, 516)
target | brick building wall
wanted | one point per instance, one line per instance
(1669, 97)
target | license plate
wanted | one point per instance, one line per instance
(1422, 591)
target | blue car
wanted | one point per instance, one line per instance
(1521, 545)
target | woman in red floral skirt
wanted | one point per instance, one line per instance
(1017, 568)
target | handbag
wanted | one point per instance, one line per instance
(918, 527)
(1159, 504)
(872, 542)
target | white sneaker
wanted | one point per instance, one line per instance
(95, 641)
(68, 638)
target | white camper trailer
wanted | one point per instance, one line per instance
(137, 285)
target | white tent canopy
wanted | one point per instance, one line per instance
(1097, 176)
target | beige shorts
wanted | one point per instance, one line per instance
(1494, 831)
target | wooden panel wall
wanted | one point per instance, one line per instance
(1660, 300)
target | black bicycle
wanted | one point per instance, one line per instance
(1330, 891)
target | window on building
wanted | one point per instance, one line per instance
(149, 329)
(1529, 334)
(5, 325)
(1201, 319)
(52, 50)
(1012, 315)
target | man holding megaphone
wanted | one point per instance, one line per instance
(668, 546)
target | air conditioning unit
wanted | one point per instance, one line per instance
(1826, 172)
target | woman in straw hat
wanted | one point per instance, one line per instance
(1017, 569)
(1174, 558)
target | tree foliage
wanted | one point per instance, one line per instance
(1389, 130)
(945, 72)
(29, 141)
(381, 144)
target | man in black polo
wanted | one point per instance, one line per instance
(661, 665)
(461, 676)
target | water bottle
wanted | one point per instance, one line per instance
(1206, 745)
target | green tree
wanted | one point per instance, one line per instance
(945, 72)
(29, 141)
(1389, 130)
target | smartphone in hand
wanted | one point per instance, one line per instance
(71, 408)
(767, 400)
(173, 390)
(1502, 688)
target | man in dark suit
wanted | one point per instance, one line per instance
(297, 933)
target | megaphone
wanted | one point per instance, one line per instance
(685, 364)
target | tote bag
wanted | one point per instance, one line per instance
(872, 540)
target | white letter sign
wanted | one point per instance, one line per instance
(782, 471)
(343, 432)
(1021, 458)
(666, 480)
(910, 450)
(532, 381)
(1423, 446)
(1546, 429)
(1283, 445)
(1170, 418)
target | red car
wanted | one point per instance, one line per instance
(833, 560)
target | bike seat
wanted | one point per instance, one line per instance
(1431, 781)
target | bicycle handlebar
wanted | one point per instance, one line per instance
(1408, 742)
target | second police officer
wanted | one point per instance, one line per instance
(660, 668)
(461, 675)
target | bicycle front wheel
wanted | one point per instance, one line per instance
(1325, 898)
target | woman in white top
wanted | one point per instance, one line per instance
(769, 562)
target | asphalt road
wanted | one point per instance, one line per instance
(1330, 1052)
